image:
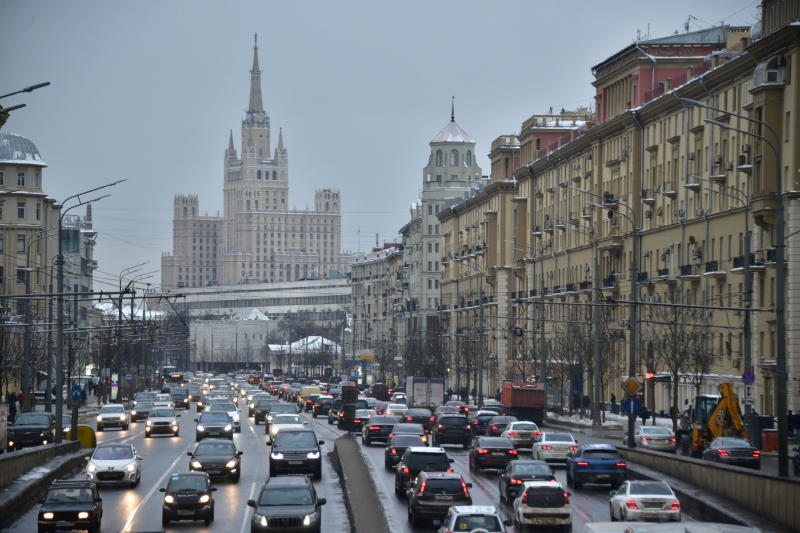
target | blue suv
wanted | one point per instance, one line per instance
(596, 463)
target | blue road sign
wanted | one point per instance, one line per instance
(129, 378)
(631, 405)
(749, 378)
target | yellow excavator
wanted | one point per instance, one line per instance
(716, 416)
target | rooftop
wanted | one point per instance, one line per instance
(16, 149)
(453, 133)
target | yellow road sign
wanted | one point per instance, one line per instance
(631, 386)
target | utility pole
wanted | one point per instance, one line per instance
(48, 393)
(596, 334)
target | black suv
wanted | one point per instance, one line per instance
(213, 425)
(180, 397)
(296, 451)
(452, 429)
(262, 408)
(287, 503)
(433, 493)
(336, 408)
(397, 446)
(322, 406)
(188, 497)
(420, 416)
(31, 429)
(415, 460)
(71, 505)
(216, 457)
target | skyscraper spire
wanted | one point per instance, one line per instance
(255, 83)
(280, 147)
(452, 109)
(230, 142)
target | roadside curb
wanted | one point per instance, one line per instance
(358, 487)
(28, 492)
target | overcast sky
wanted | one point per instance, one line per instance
(147, 90)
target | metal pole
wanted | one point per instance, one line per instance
(48, 393)
(748, 334)
(28, 367)
(596, 336)
(60, 338)
(633, 325)
(481, 348)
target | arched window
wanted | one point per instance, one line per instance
(468, 159)
(258, 175)
(453, 158)
(439, 161)
(274, 175)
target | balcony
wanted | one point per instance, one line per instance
(571, 287)
(537, 231)
(772, 255)
(612, 242)
(713, 271)
(756, 264)
(557, 289)
(643, 277)
(585, 286)
(548, 229)
(664, 275)
(610, 282)
(532, 293)
(647, 198)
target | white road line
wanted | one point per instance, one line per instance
(248, 509)
(155, 487)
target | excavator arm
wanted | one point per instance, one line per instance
(726, 418)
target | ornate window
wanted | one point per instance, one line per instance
(439, 159)
(468, 159)
(453, 158)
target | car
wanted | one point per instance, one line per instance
(307, 404)
(458, 404)
(379, 428)
(335, 412)
(380, 406)
(285, 421)
(452, 429)
(397, 446)
(278, 409)
(415, 460)
(213, 425)
(420, 416)
(217, 458)
(162, 420)
(296, 451)
(554, 447)
(542, 503)
(371, 402)
(480, 421)
(163, 400)
(398, 397)
(233, 413)
(361, 416)
(644, 500)
(141, 410)
(446, 410)
(113, 415)
(396, 409)
(69, 505)
(303, 395)
(31, 429)
(497, 425)
(596, 463)
(491, 452)
(518, 472)
(473, 518)
(287, 504)
(180, 397)
(146, 396)
(254, 398)
(188, 496)
(522, 433)
(261, 408)
(321, 406)
(115, 464)
(654, 438)
(733, 451)
(431, 495)
(406, 428)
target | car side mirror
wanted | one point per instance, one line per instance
(177, 416)
(189, 454)
(162, 489)
(138, 457)
(612, 493)
(321, 442)
(212, 489)
(239, 452)
(508, 522)
(195, 420)
(451, 460)
(251, 503)
(87, 458)
(322, 501)
(469, 485)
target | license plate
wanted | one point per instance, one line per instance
(498, 454)
(295, 462)
(603, 476)
(213, 472)
(65, 524)
(442, 497)
(185, 512)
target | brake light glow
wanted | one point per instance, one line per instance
(469, 427)
(581, 463)
(356, 420)
(524, 497)
(409, 419)
(450, 470)
(513, 452)
(433, 419)
(423, 486)
(405, 470)
(537, 432)
(547, 447)
(573, 448)
(723, 453)
(393, 451)
(341, 415)
(374, 428)
(494, 428)
(645, 438)
(513, 432)
(464, 488)
(676, 505)
(756, 453)
(483, 452)
(631, 504)
(566, 497)
(439, 426)
(621, 465)
(515, 481)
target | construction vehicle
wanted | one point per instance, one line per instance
(716, 415)
(527, 401)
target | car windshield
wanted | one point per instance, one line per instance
(418, 412)
(485, 417)
(286, 496)
(144, 396)
(283, 408)
(383, 420)
(179, 482)
(453, 421)
(428, 460)
(295, 439)
(141, 406)
(495, 442)
(407, 440)
(558, 437)
(69, 494)
(30, 419)
(165, 413)
(601, 454)
(365, 413)
(443, 486)
(502, 419)
(118, 409)
(416, 429)
(163, 398)
(546, 497)
(263, 403)
(397, 406)
(287, 419)
(215, 448)
(473, 522)
(531, 469)
(524, 426)
(223, 407)
(732, 442)
(112, 453)
(214, 417)
(650, 488)
(656, 430)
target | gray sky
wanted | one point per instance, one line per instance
(147, 90)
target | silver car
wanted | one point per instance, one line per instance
(522, 434)
(644, 500)
(554, 447)
(654, 438)
(113, 415)
(115, 463)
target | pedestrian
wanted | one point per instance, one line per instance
(449, 393)
(83, 397)
(11, 399)
(474, 394)
(587, 404)
(644, 414)
(497, 395)
(21, 399)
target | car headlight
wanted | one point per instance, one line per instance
(122, 417)
(131, 466)
(91, 467)
(231, 464)
(99, 418)
(197, 464)
(205, 498)
(83, 515)
(148, 423)
(133, 412)
(48, 516)
(262, 520)
(200, 427)
(309, 519)
(169, 499)
(313, 455)
(236, 417)
(269, 417)
(252, 406)
(228, 427)
(276, 455)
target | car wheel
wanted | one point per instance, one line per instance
(138, 479)
(412, 519)
(99, 428)
(164, 519)
(147, 435)
(235, 478)
(471, 465)
(329, 421)
(569, 479)
(517, 526)
(318, 473)
(125, 427)
(208, 519)
(576, 484)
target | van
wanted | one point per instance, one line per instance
(305, 392)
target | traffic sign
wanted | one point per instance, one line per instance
(631, 386)
(76, 392)
(749, 378)
(631, 405)
(128, 378)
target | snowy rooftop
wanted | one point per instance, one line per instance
(453, 133)
(16, 149)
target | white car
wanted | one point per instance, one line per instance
(542, 503)
(113, 415)
(644, 500)
(554, 447)
(115, 463)
(285, 421)
(163, 400)
(654, 438)
(396, 409)
(473, 518)
(162, 420)
(522, 433)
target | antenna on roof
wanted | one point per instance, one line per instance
(452, 109)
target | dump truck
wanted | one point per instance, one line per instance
(526, 401)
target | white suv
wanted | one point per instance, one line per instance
(543, 503)
(472, 518)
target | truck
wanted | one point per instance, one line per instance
(424, 392)
(526, 401)
(349, 398)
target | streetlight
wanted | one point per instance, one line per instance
(4, 110)
(60, 305)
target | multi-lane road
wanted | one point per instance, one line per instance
(139, 509)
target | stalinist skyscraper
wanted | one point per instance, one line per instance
(258, 238)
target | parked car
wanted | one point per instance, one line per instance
(217, 458)
(644, 500)
(654, 438)
(431, 495)
(473, 518)
(296, 451)
(596, 463)
(497, 425)
(31, 429)
(71, 504)
(397, 446)
(415, 460)
(518, 472)
(188, 496)
(286, 504)
(542, 503)
(452, 429)
(554, 447)
(115, 463)
(113, 415)
(491, 452)
(733, 451)
(522, 433)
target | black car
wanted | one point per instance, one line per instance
(491, 452)
(141, 411)
(335, 411)
(251, 407)
(415, 460)
(452, 429)
(420, 416)
(180, 397)
(408, 428)
(480, 421)
(518, 472)
(296, 451)
(262, 408)
(432, 494)
(497, 425)
(446, 410)
(213, 425)
(187, 496)
(70, 505)
(397, 446)
(458, 404)
(31, 429)
(194, 393)
(378, 428)
(322, 406)
(279, 409)
(287, 504)
(733, 451)
(308, 405)
(217, 458)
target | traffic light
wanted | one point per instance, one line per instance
(650, 375)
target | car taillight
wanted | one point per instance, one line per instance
(513, 452)
(756, 453)
(621, 465)
(673, 439)
(513, 432)
(524, 497)
(723, 453)
(405, 470)
(356, 420)
(537, 432)
(424, 438)
(450, 470)
(423, 486)
(393, 451)
(494, 428)
(409, 419)
(464, 488)
(439, 426)
(483, 452)
(515, 481)
(675, 506)
(316, 405)
(433, 419)
(581, 463)
(573, 448)
(391, 435)
(566, 497)
(645, 438)
(474, 422)
(374, 428)
(468, 426)
(631, 504)
(547, 447)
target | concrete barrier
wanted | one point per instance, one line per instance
(775, 498)
(14, 464)
(360, 493)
